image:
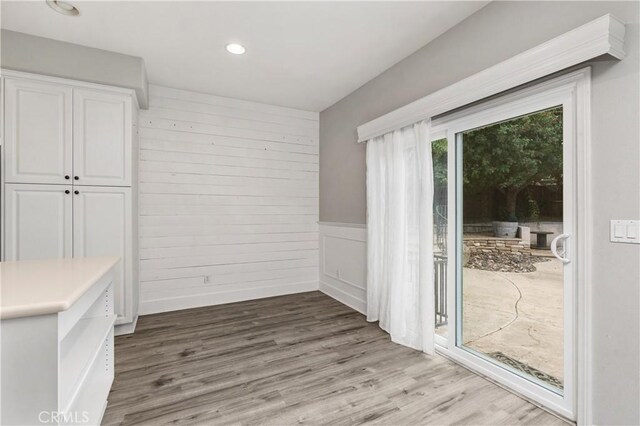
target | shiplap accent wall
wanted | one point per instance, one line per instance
(343, 263)
(228, 200)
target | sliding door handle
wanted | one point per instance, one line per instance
(554, 247)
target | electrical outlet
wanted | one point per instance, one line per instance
(206, 279)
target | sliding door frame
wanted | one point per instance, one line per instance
(572, 91)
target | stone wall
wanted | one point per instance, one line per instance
(487, 244)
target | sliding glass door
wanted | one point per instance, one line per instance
(508, 240)
(510, 285)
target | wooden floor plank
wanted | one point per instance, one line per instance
(297, 359)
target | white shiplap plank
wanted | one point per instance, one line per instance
(161, 274)
(211, 240)
(186, 230)
(204, 179)
(228, 198)
(210, 129)
(228, 219)
(231, 122)
(221, 170)
(225, 151)
(230, 112)
(224, 200)
(227, 279)
(148, 133)
(203, 158)
(188, 210)
(247, 190)
(215, 250)
(226, 259)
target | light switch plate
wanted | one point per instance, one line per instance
(625, 231)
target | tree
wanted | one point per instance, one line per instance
(439, 159)
(513, 155)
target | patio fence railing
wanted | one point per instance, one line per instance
(440, 275)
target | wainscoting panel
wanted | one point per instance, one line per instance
(228, 200)
(343, 263)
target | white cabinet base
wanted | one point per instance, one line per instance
(128, 328)
(58, 368)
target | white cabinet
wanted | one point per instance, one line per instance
(38, 132)
(69, 180)
(55, 221)
(55, 133)
(57, 363)
(102, 133)
(102, 227)
(38, 221)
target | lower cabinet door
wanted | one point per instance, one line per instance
(38, 221)
(102, 227)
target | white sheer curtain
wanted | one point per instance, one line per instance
(400, 291)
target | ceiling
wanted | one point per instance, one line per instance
(305, 55)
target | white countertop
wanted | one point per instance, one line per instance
(39, 287)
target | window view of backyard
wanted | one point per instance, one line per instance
(439, 158)
(512, 286)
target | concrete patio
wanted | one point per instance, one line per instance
(518, 314)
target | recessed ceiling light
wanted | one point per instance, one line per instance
(63, 7)
(236, 49)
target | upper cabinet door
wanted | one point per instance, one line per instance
(38, 221)
(38, 132)
(102, 132)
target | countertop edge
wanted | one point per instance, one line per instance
(57, 306)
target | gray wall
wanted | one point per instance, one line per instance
(492, 35)
(25, 52)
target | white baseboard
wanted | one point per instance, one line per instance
(344, 298)
(200, 300)
(126, 328)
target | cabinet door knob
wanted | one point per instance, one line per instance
(76, 192)
(67, 177)
(66, 191)
(76, 177)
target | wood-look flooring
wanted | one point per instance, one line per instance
(298, 359)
